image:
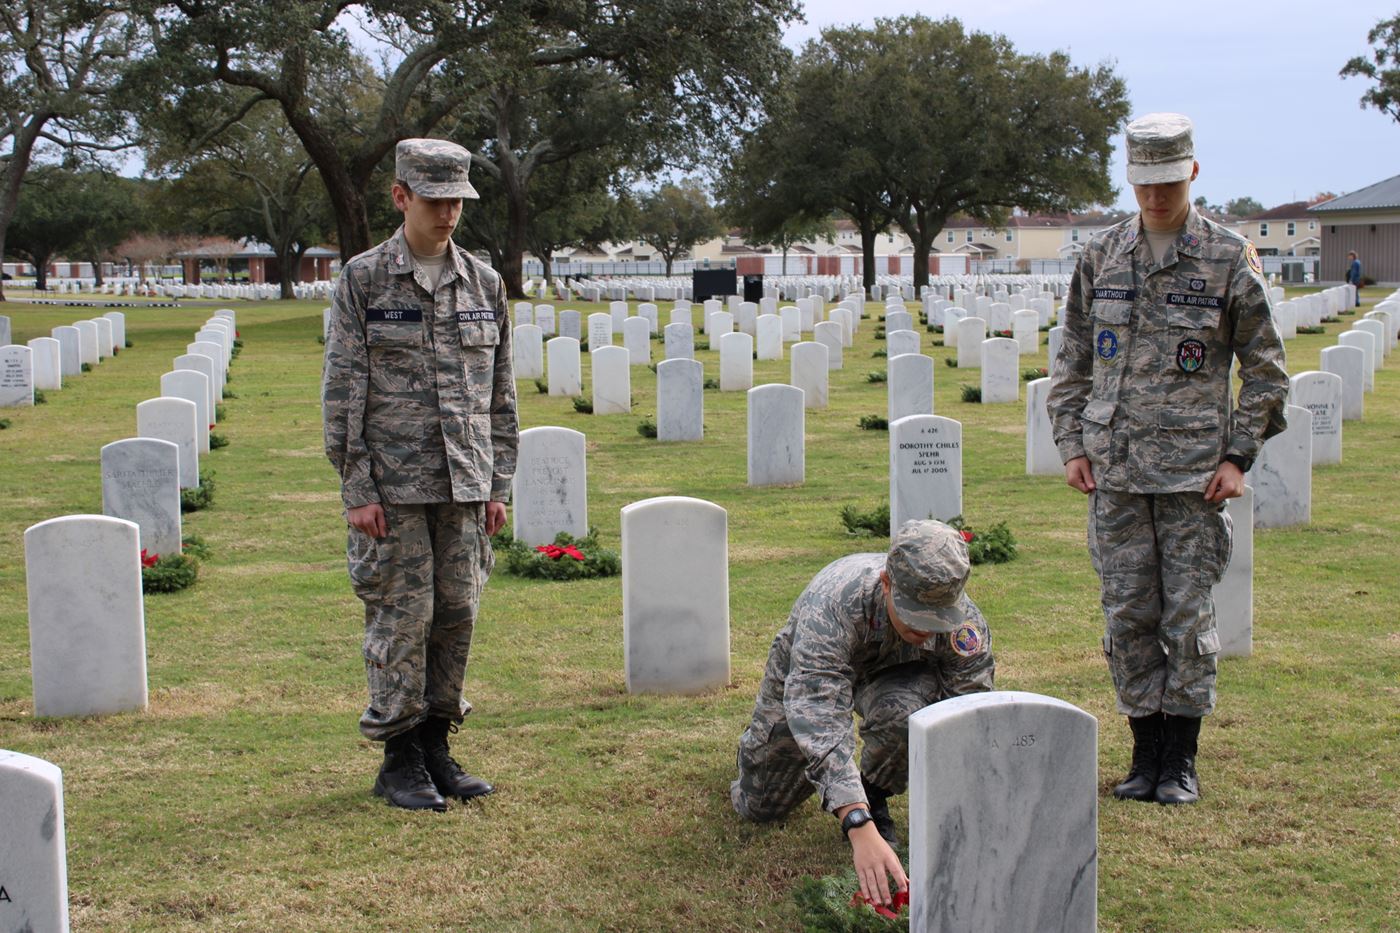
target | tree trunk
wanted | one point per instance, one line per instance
(286, 256)
(15, 167)
(513, 255)
(96, 271)
(547, 261)
(867, 254)
(40, 262)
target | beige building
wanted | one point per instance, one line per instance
(1286, 230)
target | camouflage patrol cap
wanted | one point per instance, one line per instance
(1160, 149)
(434, 168)
(928, 566)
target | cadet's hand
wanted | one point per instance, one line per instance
(874, 859)
(368, 519)
(1080, 475)
(1227, 483)
(495, 517)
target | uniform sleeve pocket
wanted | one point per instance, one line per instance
(1207, 643)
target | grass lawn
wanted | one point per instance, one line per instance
(240, 799)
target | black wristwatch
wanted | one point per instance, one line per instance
(857, 817)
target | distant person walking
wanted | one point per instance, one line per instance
(418, 397)
(1354, 274)
(1141, 402)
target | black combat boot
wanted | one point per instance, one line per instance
(449, 777)
(403, 781)
(1141, 782)
(878, 798)
(1178, 782)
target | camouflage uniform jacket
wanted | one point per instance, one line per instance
(418, 392)
(1142, 382)
(839, 638)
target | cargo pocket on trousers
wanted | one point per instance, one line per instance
(362, 560)
(1207, 643)
(376, 650)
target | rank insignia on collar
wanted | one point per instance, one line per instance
(966, 641)
(1190, 355)
(1106, 345)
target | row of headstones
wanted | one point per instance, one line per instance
(43, 362)
(87, 629)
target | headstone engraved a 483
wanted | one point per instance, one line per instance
(1003, 816)
(33, 848)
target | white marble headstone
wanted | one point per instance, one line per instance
(48, 367)
(845, 318)
(1001, 376)
(1042, 457)
(1025, 330)
(618, 311)
(649, 312)
(636, 337)
(175, 420)
(106, 340)
(1321, 394)
(1381, 332)
(528, 352)
(1349, 364)
(5, 331)
(770, 337)
(1367, 344)
(1234, 594)
(87, 342)
(680, 400)
(69, 349)
(828, 334)
(910, 386)
(735, 362)
(680, 341)
(612, 381)
(87, 634)
(1003, 816)
(209, 368)
(900, 342)
(810, 372)
(565, 368)
(141, 483)
(193, 386)
(898, 320)
(776, 424)
(16, 376)
(550, 489)
(544, 319)
(570, 324)
(951, 317)
(675, 594)
(792, 323)
(1282, 474)
(925, 469)
(33, 846)
(600, 331)
(972, 331)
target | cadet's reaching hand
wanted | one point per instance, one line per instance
(368, 519)
(1227, 483)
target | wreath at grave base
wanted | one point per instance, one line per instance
(568, 558)
(996, 545)
(167, 573)
(826, 905)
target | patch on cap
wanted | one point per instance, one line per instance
(434, 168)
(1160, 149)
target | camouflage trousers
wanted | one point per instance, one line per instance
(773, 770)
(420, 585)
(1158, 555)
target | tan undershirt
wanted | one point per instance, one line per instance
(1159, 241)
(433, 267)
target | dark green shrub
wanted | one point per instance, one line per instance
(167, 573)
(873, 423)
(201, 496)
(875, 523)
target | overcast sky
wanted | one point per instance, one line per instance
(1273, 119)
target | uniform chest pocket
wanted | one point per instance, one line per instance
(382, 334)
(1189, 317)
(1113, 312)
(479, 333)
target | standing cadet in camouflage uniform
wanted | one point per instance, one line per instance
(419, 405)
(1143, 421)
(882, 635)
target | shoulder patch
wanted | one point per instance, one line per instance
(1251, 256)
(966, 641)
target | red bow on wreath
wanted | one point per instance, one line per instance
(967, 535)
(148, 560)
(898, 901)
(554, 551)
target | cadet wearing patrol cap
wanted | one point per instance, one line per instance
(418, 399)
(881, 635)
(1143, 419)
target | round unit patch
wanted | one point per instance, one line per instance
(1251, 255)
(966, 640)
(1106, 344)
(1190, 355)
